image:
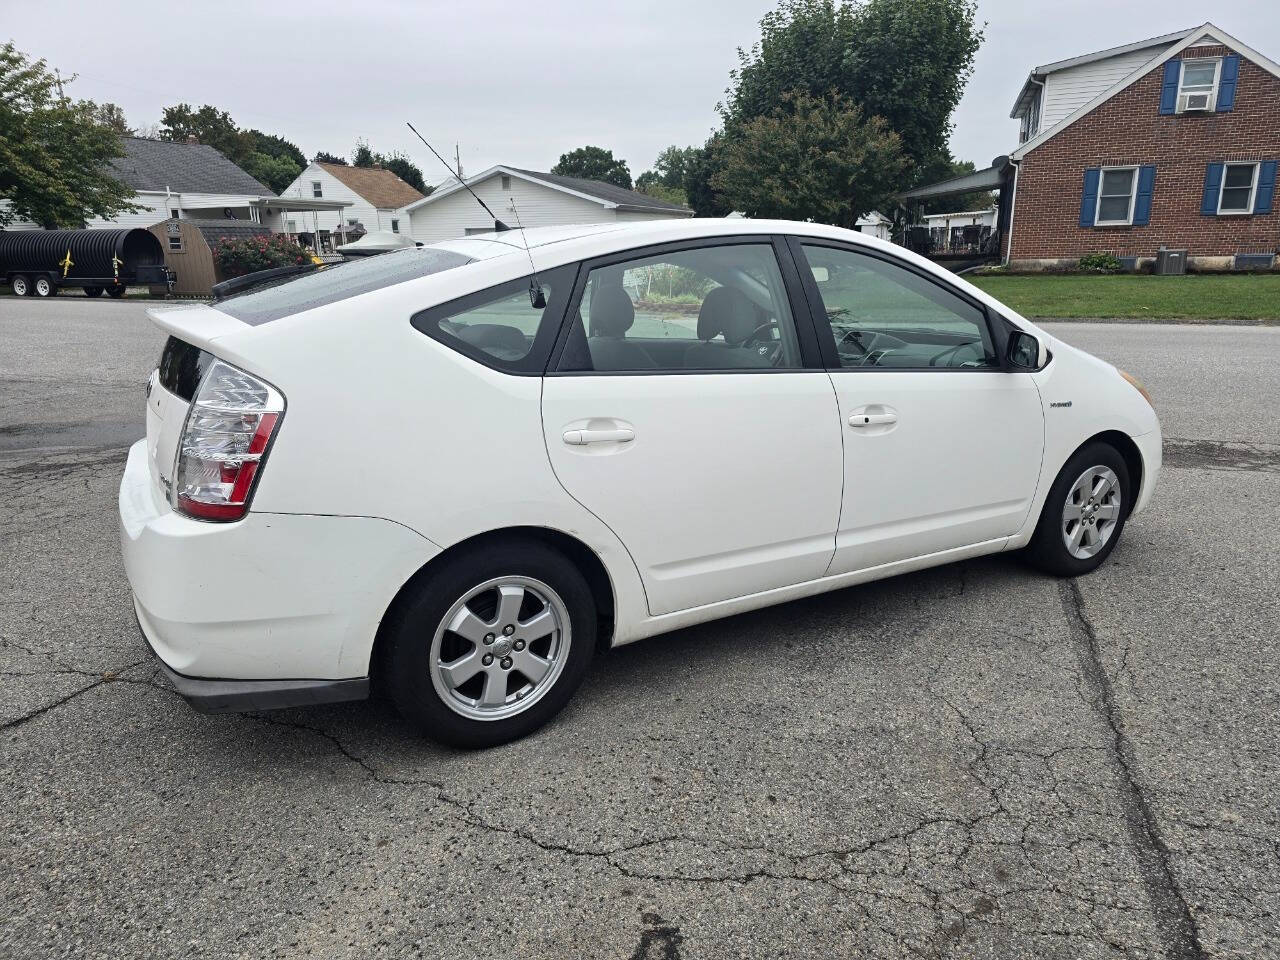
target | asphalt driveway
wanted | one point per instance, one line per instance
(970, 761)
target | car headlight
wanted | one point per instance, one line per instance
(1137, 385)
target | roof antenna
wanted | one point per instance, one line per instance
(498, 225)
(537, 298)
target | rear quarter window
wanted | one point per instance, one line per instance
(499, 326)
(338, 281)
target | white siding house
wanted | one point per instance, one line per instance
(525, 197)
(375, 198)
(1056, 90)
(185, 180)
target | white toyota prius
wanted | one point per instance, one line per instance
(456, 472)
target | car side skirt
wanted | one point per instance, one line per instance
(727, 608)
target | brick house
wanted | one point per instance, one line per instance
(1170, 142)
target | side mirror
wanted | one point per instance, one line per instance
(1026, 352)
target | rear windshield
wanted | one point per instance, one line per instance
(336, 282)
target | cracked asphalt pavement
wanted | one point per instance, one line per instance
(973, 761)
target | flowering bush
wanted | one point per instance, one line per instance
(237, 256)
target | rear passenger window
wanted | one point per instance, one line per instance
(500, 327)
(708, 308)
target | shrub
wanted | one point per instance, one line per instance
(237, 256)
(1100, 263)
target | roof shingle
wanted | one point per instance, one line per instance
(159, 165)
(603, 191)
(380, 187)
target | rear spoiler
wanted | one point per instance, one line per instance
(198, 324)
(229, 288)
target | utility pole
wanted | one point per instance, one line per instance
(58, 80)
(457, 160)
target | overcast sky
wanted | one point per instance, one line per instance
(521, 82)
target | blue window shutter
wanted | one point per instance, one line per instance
(1227, 82)
(1142, 203)
(1212, 187)
(1169, 89)
(1089, 199)
(1266, 187)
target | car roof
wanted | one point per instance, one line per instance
(566, 243)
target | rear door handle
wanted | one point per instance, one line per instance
(615, 435)
(872, 419)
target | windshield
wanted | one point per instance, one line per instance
(335, 282)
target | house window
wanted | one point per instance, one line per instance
(1115, 196)
(317, 188)
(395, 226)
(352, 222)
(1198, 86)
(173, 214)
(506, 182)
(291, 226)
(1239, 183)
(175, 242)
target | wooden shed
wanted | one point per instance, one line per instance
(188, 250)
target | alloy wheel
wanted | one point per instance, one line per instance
(1091, 512)
(500, 648)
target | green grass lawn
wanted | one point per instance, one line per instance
(1209, 297)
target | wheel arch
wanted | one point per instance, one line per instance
(579, 554)
(1128, 450)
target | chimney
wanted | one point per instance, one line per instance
(191, 138)
(376, 165)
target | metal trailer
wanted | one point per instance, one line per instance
(41, 262)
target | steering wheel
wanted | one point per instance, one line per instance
(758, 336)
(933, 361)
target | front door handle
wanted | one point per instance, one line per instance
(872, 419)
(614, 435)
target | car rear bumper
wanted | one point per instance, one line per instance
(272, 597)
(233, 696)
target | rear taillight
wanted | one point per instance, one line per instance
(224, 442)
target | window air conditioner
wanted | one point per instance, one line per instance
(1195, 102)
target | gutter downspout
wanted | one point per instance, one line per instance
(1013, 206)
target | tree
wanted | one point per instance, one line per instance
(207, 125)
(325, 157)
(110, 115)
(700, 167)
(267, 158)
(655, 188)
(594, 163)
(904, 60)
(362, 156)
(270, 159)
(55, 152)
(811, 158)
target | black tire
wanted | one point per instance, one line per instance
(45, 287)
(405, 664)
(93, 291)
(115, 292)
(21, 286)
(1048, 549)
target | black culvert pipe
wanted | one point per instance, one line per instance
(92, 253)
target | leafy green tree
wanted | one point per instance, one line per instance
(362, 155)
(54, 151)
(811, 158)
(208, 125)
(654, 187)
(270, 159)
(325, 157)
(594, 163)
(699, 169)
(110, 115)
(904, 60)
